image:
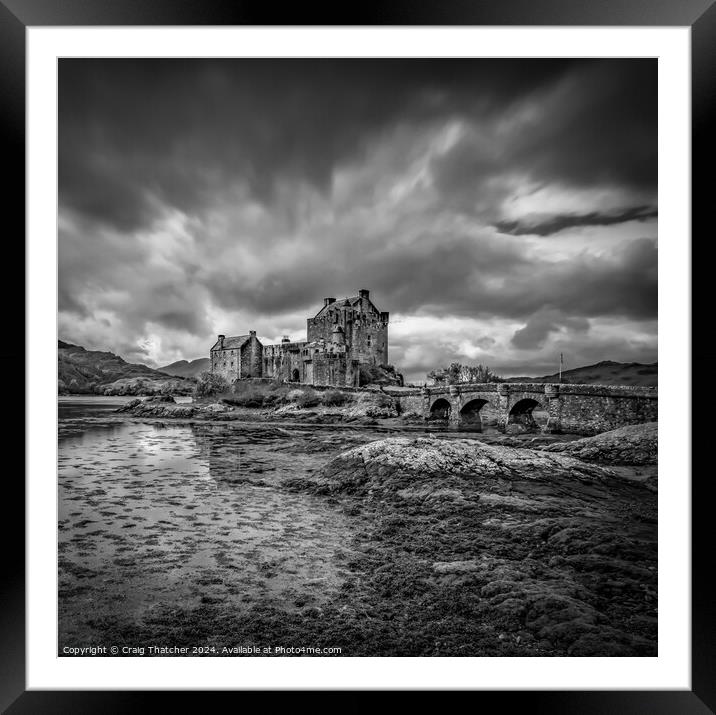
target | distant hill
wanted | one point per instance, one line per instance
(81, 371)
(184, 368)
(606, 372)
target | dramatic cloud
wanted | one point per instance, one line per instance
(213, 196)
(545, 225)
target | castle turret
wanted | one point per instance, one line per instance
(338, 337)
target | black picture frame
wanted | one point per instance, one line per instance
(17, 15)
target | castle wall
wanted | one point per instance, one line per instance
(328, 368)
(280, 360)
(295, 365)
(321, 328)
(251, 357)
(369, 341)
(226, 363)
(352, 373)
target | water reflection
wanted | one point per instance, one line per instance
(152, 516)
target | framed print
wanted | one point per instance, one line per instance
(359, 323)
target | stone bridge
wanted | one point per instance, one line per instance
(512, 406)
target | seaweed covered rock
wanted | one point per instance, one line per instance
(158, 406)
(371, 405)
(129, 406)
(216, 407)
(399, 462)
(632, 444)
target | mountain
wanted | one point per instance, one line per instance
(606, 372)
(81, 371)
(184, 368)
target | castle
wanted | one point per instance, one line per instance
(341, 337)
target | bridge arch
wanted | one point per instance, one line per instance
(470, 414)
(521, 415)
(440, 409)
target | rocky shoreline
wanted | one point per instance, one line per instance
(495, 546)
(532, 553)
(366, 411)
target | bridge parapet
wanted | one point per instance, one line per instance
(651, 393)
(542, 387)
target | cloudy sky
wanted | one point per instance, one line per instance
(503, 211)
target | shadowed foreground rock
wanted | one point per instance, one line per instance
(488, 550)
(633, 444)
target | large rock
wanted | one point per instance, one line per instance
(400, 462)
(633, 444)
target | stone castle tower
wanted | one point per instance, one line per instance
(355, 323)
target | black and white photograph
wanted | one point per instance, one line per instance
(357, 357)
